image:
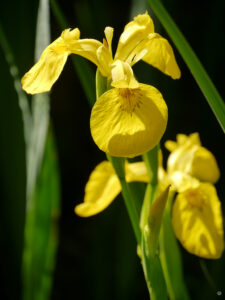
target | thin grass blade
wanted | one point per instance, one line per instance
(200, 75)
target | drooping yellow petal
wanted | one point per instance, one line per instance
(197, 221)
(160, 55)
(123, 76)
(134, 33)
(128, 122)
(192, 159)
(204, 166)
(46, 71)
(136, 172)
(101, 189)
(88, 49)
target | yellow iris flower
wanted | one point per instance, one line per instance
(196, 214)
(130, 118)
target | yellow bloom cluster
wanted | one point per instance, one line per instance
(130, 118)
(191, 170)
(196, 215)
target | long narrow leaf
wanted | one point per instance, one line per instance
(12, 177)
(22, 97)
(42, 187)
(41, 228)
(203, 80)
(40, 103)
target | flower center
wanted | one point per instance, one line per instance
(129, 99)
(196, 198)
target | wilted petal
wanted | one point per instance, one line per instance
(101, 189)
(46, 71)
(160, 55)
(129, 122)
(197, 221)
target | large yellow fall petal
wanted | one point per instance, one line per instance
(128, 122)
(197, 221)
(46, 71)
(160, 55)
(134, 33)
(101, 189)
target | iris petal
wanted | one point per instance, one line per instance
(41, 77)
(197, 221)
(134, 33)
(123, 76)
(87, 48)
(128, 122)
(46, 71)
(160, 55)
(136, 172)
(204, 166)
(192, 159)
(102, 188)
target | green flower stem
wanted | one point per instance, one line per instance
(203, 80)
(118, 164)
(170, 257)
(150, 259)
(151, 160)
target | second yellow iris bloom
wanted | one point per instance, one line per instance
(129, 119)
(196, 214)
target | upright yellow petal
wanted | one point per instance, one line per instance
(123, 76)
(160, 55)
(46, 71)
(109, 36)
(101, 189)
(128, 122)
(134, 33)
(197, 221)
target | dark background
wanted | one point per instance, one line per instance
(97, 256)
